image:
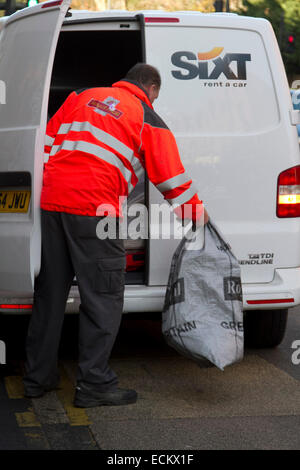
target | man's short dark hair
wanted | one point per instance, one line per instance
(144, 74)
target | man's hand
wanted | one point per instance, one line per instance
(199, 215)
(197, 219)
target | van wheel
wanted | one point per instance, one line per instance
(265, 328)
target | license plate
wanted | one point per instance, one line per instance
(14, 201)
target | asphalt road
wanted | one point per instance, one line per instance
(182, 405)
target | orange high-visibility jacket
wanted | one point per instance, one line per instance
(99, 142)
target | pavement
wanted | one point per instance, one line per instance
(254, 404)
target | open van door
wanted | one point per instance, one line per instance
(27, 47)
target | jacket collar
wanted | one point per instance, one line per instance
(136, 89)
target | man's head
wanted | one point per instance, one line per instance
(148, 77)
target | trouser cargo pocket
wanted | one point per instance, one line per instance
(110, 274)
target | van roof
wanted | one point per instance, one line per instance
(154, 12)
(186, 16)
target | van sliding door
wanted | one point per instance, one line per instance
(28, 42)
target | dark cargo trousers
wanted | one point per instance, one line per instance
(71, 247)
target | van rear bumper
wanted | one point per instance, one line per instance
(282, 292)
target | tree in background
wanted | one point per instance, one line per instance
(284, 15)
(291, 49)
(198, 5)
(205, 6)
(94, 5)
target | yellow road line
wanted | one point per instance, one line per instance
(36, 439)
(77, 416)
(27, 419)
(14, 386)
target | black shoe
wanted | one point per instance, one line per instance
(86, 397)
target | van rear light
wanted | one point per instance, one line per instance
(52, 4)
(270, 301)
(16, 306)
(135, 261)
(158, 19)
(288, 193)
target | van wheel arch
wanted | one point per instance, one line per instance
(265, 328)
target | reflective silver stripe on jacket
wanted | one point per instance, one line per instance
(173, 183)
(103, 137)
(101, 153)
(183, 197)
(49, 140)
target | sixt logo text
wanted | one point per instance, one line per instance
(202, 69)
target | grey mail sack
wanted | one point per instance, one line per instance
(203, 315)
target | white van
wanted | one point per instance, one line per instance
(226, 98)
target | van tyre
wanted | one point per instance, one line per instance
(265, 328)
